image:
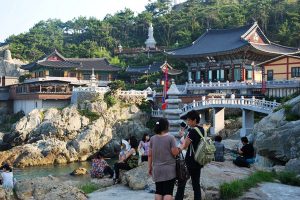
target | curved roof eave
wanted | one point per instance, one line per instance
(210, 54)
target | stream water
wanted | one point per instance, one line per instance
(62, 170)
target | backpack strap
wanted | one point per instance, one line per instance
(203, 138)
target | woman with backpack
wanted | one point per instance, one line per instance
(193, 138)
(161, 160)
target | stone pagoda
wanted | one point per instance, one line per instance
(172, 113)
(150, 42)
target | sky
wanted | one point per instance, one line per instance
(18, 16)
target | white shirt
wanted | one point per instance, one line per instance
(7, 178)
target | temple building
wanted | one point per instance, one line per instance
(229, 55)
(284, 67)
(135, 72)
(56, 67)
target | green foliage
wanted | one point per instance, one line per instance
(109, 99)
(237, 187)
(89, 187)
(91, 37)
(89, 114)
(23, 77)
(292, 117)
(289, 178)
(116, 85)
(9, 120)
(151, 123)
(145, 106)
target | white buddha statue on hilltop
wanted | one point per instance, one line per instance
(150, 42)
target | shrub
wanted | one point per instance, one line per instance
(145, 106)
(292, 117)
(109, 99)
(116, 85)
(89, 187)
(89, 114)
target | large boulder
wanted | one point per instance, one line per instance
(137, 178)
(47, 188)
(279, 144)
(276, 138)
(293, 165)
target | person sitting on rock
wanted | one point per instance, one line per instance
(125, 147)
(144, 147)
(246, 154)
(7, 176)
(219, 153)
(100, 168)
(129, 161)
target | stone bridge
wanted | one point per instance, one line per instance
(248, 106)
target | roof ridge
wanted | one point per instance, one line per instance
(231, 29)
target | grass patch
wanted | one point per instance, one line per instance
(89, 114)
(288, 178)
(238, 187)
(89, 187)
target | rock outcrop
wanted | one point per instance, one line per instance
(61, 136)
(212, 176)
(276, 138)
(47, 188)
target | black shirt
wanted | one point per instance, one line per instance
(248, 151)
(195, 138)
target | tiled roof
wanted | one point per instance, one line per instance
(220, 42)
(99, 64)
(155, 67)
(213, 41)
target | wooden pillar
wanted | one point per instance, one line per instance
(253, 74)
(65, 73)
(243, 72)
(287, 68)
(232, 71)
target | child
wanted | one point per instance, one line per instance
(219, 153)
(100, 168)
(144, 147)
(7, 176)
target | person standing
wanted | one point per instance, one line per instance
(144, 147)
(193, 138)
(161, 160)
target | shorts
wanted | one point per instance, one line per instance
(165, 187)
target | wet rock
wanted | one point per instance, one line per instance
(79, 171)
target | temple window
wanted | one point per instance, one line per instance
(295, 72)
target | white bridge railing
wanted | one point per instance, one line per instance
(257, 105)
(240, 85)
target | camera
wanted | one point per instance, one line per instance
(183, 125)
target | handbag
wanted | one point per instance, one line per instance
(182, 173)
